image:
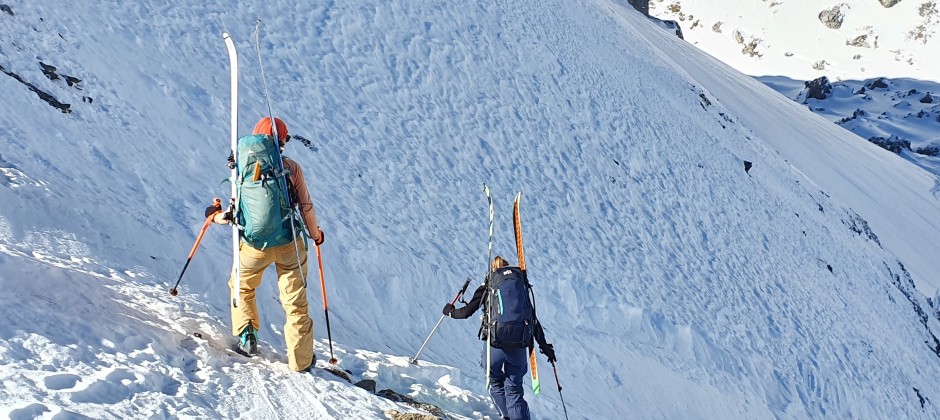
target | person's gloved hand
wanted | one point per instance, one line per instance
(320, 237)
(222, 218)
(549, 351)
(215, 208)
(448, 308)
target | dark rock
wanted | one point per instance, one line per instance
(860, 91)
(72, 81)
(669, 25)
(927, 99)
(879, 83)
(929, 151)
(921, 398)
(404, 399)
(705, 100)
(747, 167)
(859, 41)
(857, 113)
(396, 415)
(642, 6)
(51, 100)
(889, 3)
(891, 144)
(818, 88)
(338, 373)
(49, 71)
(366, 384)
(832, 17)
(7, 9)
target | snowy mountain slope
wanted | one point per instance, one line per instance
(890, 111)
(840, 167)
(672, 283)
(805, 39)
(852, 43)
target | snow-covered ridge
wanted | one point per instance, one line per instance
(673, 283)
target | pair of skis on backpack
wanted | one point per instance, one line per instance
(520, 253)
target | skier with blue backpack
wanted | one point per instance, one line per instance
(272, 190)
(511, 327)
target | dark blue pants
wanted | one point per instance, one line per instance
(507, 368)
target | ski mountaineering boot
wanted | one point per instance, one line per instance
(248, 341)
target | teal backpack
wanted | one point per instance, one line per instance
(264, 208)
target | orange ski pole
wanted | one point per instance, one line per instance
(173, 291)
(326, 308)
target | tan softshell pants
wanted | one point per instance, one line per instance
(298, 328)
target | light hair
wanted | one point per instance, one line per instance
(499, 262)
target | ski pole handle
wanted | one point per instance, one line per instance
(461, 292)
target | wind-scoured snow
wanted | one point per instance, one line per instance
(672, 283)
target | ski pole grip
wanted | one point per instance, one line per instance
(461, 292)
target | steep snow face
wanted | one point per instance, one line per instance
(805, 39)
(672, 283)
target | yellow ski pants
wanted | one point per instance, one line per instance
(298, 327)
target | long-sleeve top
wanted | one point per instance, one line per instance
(477, 300)
(307, 212)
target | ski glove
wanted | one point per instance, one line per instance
(549, 351)
(215, 208)
(320, 237)
(448, 308)
(223, 218)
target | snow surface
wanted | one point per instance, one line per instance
(787, 37)
(672, 283)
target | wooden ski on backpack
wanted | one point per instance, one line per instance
(520, 252)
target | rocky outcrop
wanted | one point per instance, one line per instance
(927, 99)
(642, 6)
(860, 41)
(818, 88)
(45, 96)
(833, 16)
(879, 83)
(889, 3)
(892, 144)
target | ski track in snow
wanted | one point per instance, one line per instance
(673, 284)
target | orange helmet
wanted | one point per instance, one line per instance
(264, 127)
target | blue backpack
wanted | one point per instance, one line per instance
(510, 312)
(264, 209)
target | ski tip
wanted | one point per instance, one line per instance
(225, 35)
